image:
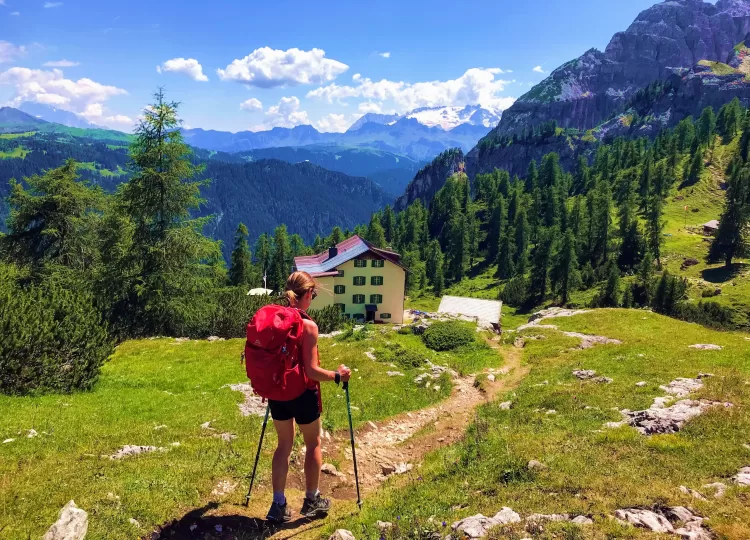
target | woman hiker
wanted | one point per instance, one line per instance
(301, 289)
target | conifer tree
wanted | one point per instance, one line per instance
(540, 266)
(610, 296)
(655, 226)
(169, 262)
(696, 169)
(706, 126)
(521, 250)
(532, 177)
(565, 275)
(731, 238)
(240, 272)
(375, 232)
(631, 239)
(505, 266)
(336, 236)
(496, 227)
(434, 267)
(263, 254)
(281, 264)
(389, 225)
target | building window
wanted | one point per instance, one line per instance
(376, 298)
(341, 273)
(346, 316)
(342, 307)
(360, 280)
(385, 315)
(378, 263)
(376, 280)
(358, 299)
(360, 317)
(360, 263)
(339, 289)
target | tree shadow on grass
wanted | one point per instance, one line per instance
(723, 274)
(196, 524)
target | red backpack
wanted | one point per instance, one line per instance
(272, 353)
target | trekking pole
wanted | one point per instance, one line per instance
(351, 437)
(257, 456)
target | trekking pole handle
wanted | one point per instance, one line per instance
(345, 386)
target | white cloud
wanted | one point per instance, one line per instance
(62, 63)
(476, 86)
(335, 123)
(49, 5)
(370, 107)
(538, 69)
(267, 68)
(251, 104)
(285, 113)
(8, 51)
(187, 66)
(385, 54)
(83, 97)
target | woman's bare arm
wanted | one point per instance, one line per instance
(310, 357)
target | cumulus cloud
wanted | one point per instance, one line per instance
(49, 5)
(9, 52)
(476, 86)
(268, 68)
(385, 54)
(538, 69)
(187, 66)
(83, 97)
(62, 63)
(370, 107)
(251, 104)
(286, 113)
(335, 123)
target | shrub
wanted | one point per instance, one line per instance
(225, 312)
(403, 356)
(53, 337)
(514, 293)
(328, 319)
(711, 314)
(447, 336)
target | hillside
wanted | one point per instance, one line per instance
(262, 194)
(392, 172)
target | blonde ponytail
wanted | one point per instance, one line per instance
(297, 286)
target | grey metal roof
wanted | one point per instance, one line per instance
(330, 264)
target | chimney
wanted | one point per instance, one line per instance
(332, 252)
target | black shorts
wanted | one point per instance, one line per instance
(303, 409)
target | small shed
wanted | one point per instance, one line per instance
(260, 292)
(486, 312)
(710, 228)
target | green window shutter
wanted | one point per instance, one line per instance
(385, 315)
(378, 263)
(376, 280)
(339, 289)
(376, 298)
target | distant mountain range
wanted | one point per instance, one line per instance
(420, 135)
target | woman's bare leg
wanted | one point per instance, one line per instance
(313, 455)
(280, 466)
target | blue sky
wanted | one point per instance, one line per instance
(290, 62)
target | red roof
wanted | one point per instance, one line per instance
(321, 265)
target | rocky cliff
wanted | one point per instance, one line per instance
(431, 178)
(670, 37)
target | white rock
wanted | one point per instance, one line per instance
(506, 516)
(73, 524)
(536, 518)
(134, 523)
(206, 425)
(742, 478)
(582, 520)
(491, 377)
(680, 513)
(394, 374)
(535, 465)
(506, 405)
(720, 488)
(211, 339)
(32, 434)
(706, 347)
(682, 387)
(478, 525)
(384, 525)
(6, 441)
(645, 518)
(403, 468)
(372, 424)
(584, 374)
(551, 411)
(694, 531)
(669, 419)
(331, 470)
(342, 534)
(370, 354)
(641, 384)
(692, 493)
(133, 450)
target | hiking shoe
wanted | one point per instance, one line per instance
(279, 513)
(315, 508)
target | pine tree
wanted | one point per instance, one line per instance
(336, 236)
(240, 272)
(565, 275)
(457, 246)
(610, 296)
(540, 266)
(263, 254)
(318, 245)
(631, 239)
(696, 169)
(532, 177)
(434, 267)
(389, 225)
(729, 120)
(496, 227)
(520, 255)
(655, 226)
(505, 267)
(706, 126)
(281, 265)
(170, 264)
(375, 232)
(731, 238)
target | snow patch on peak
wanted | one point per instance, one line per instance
(448, 118)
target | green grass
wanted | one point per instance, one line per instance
(590, 470)
(718, 68)
(94, 167)
(151, 383)
(16, 135)
(17, 152)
